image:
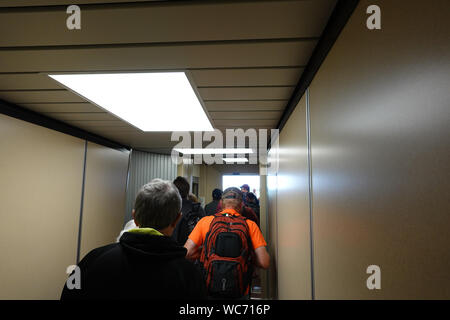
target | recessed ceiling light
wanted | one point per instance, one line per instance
(240, 160)
(213, 151)
(154, 101)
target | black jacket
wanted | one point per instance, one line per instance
(189, 211)
(211, 208)
(140, 266)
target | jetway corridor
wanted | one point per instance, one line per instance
(337, 112)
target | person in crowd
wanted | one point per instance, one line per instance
(193, 198)
(245, 211)
(231, 247)
(191, 212)
(128, 226)
(146, 263)
(212, 207)
(245, 188)
(253, 203)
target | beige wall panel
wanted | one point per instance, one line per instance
(294, 258)
(263, 224)
(104, 196)
(40, 191)
(380, 155)
(272, 185)
(213, 180)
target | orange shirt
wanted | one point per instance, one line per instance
(198, 235)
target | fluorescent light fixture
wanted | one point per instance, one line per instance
(214, 151)
(154, 101)
(240, 160)
(188, 161)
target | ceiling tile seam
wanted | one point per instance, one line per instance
(217, 68)
(157, 44)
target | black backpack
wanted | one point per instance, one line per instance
(188, 222)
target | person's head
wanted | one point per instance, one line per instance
(158, 206)
(193, 198)
(232, 198)
(251, 198)
(183, 186)
(245, 188)
(217, 194)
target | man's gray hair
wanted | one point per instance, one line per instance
(157, 205)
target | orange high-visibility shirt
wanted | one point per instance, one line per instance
(198, 235)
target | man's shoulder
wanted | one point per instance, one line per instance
(252, 225)
(100, 252)
(206, 219)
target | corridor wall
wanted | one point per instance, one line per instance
(293, 241)
(144, 167)
(40, 190)
(379, 163)
(41, 204)
(380, 140)
(104, 196)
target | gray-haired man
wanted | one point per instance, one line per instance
(146, 263)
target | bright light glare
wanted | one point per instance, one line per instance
(235, 160)
(149, 101)
(213, 151)
(238, 180)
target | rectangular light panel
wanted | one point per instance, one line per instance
(152, 101)
(235, 160)
(213, 151)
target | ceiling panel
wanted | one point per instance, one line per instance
(246, 93)
(59, 95)
(202, 77)
(249, 105)
(21, 81)
(234, 115)
(247, 77)
(244, 57)
(166, 22)
(144, 57)
(255, 123)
